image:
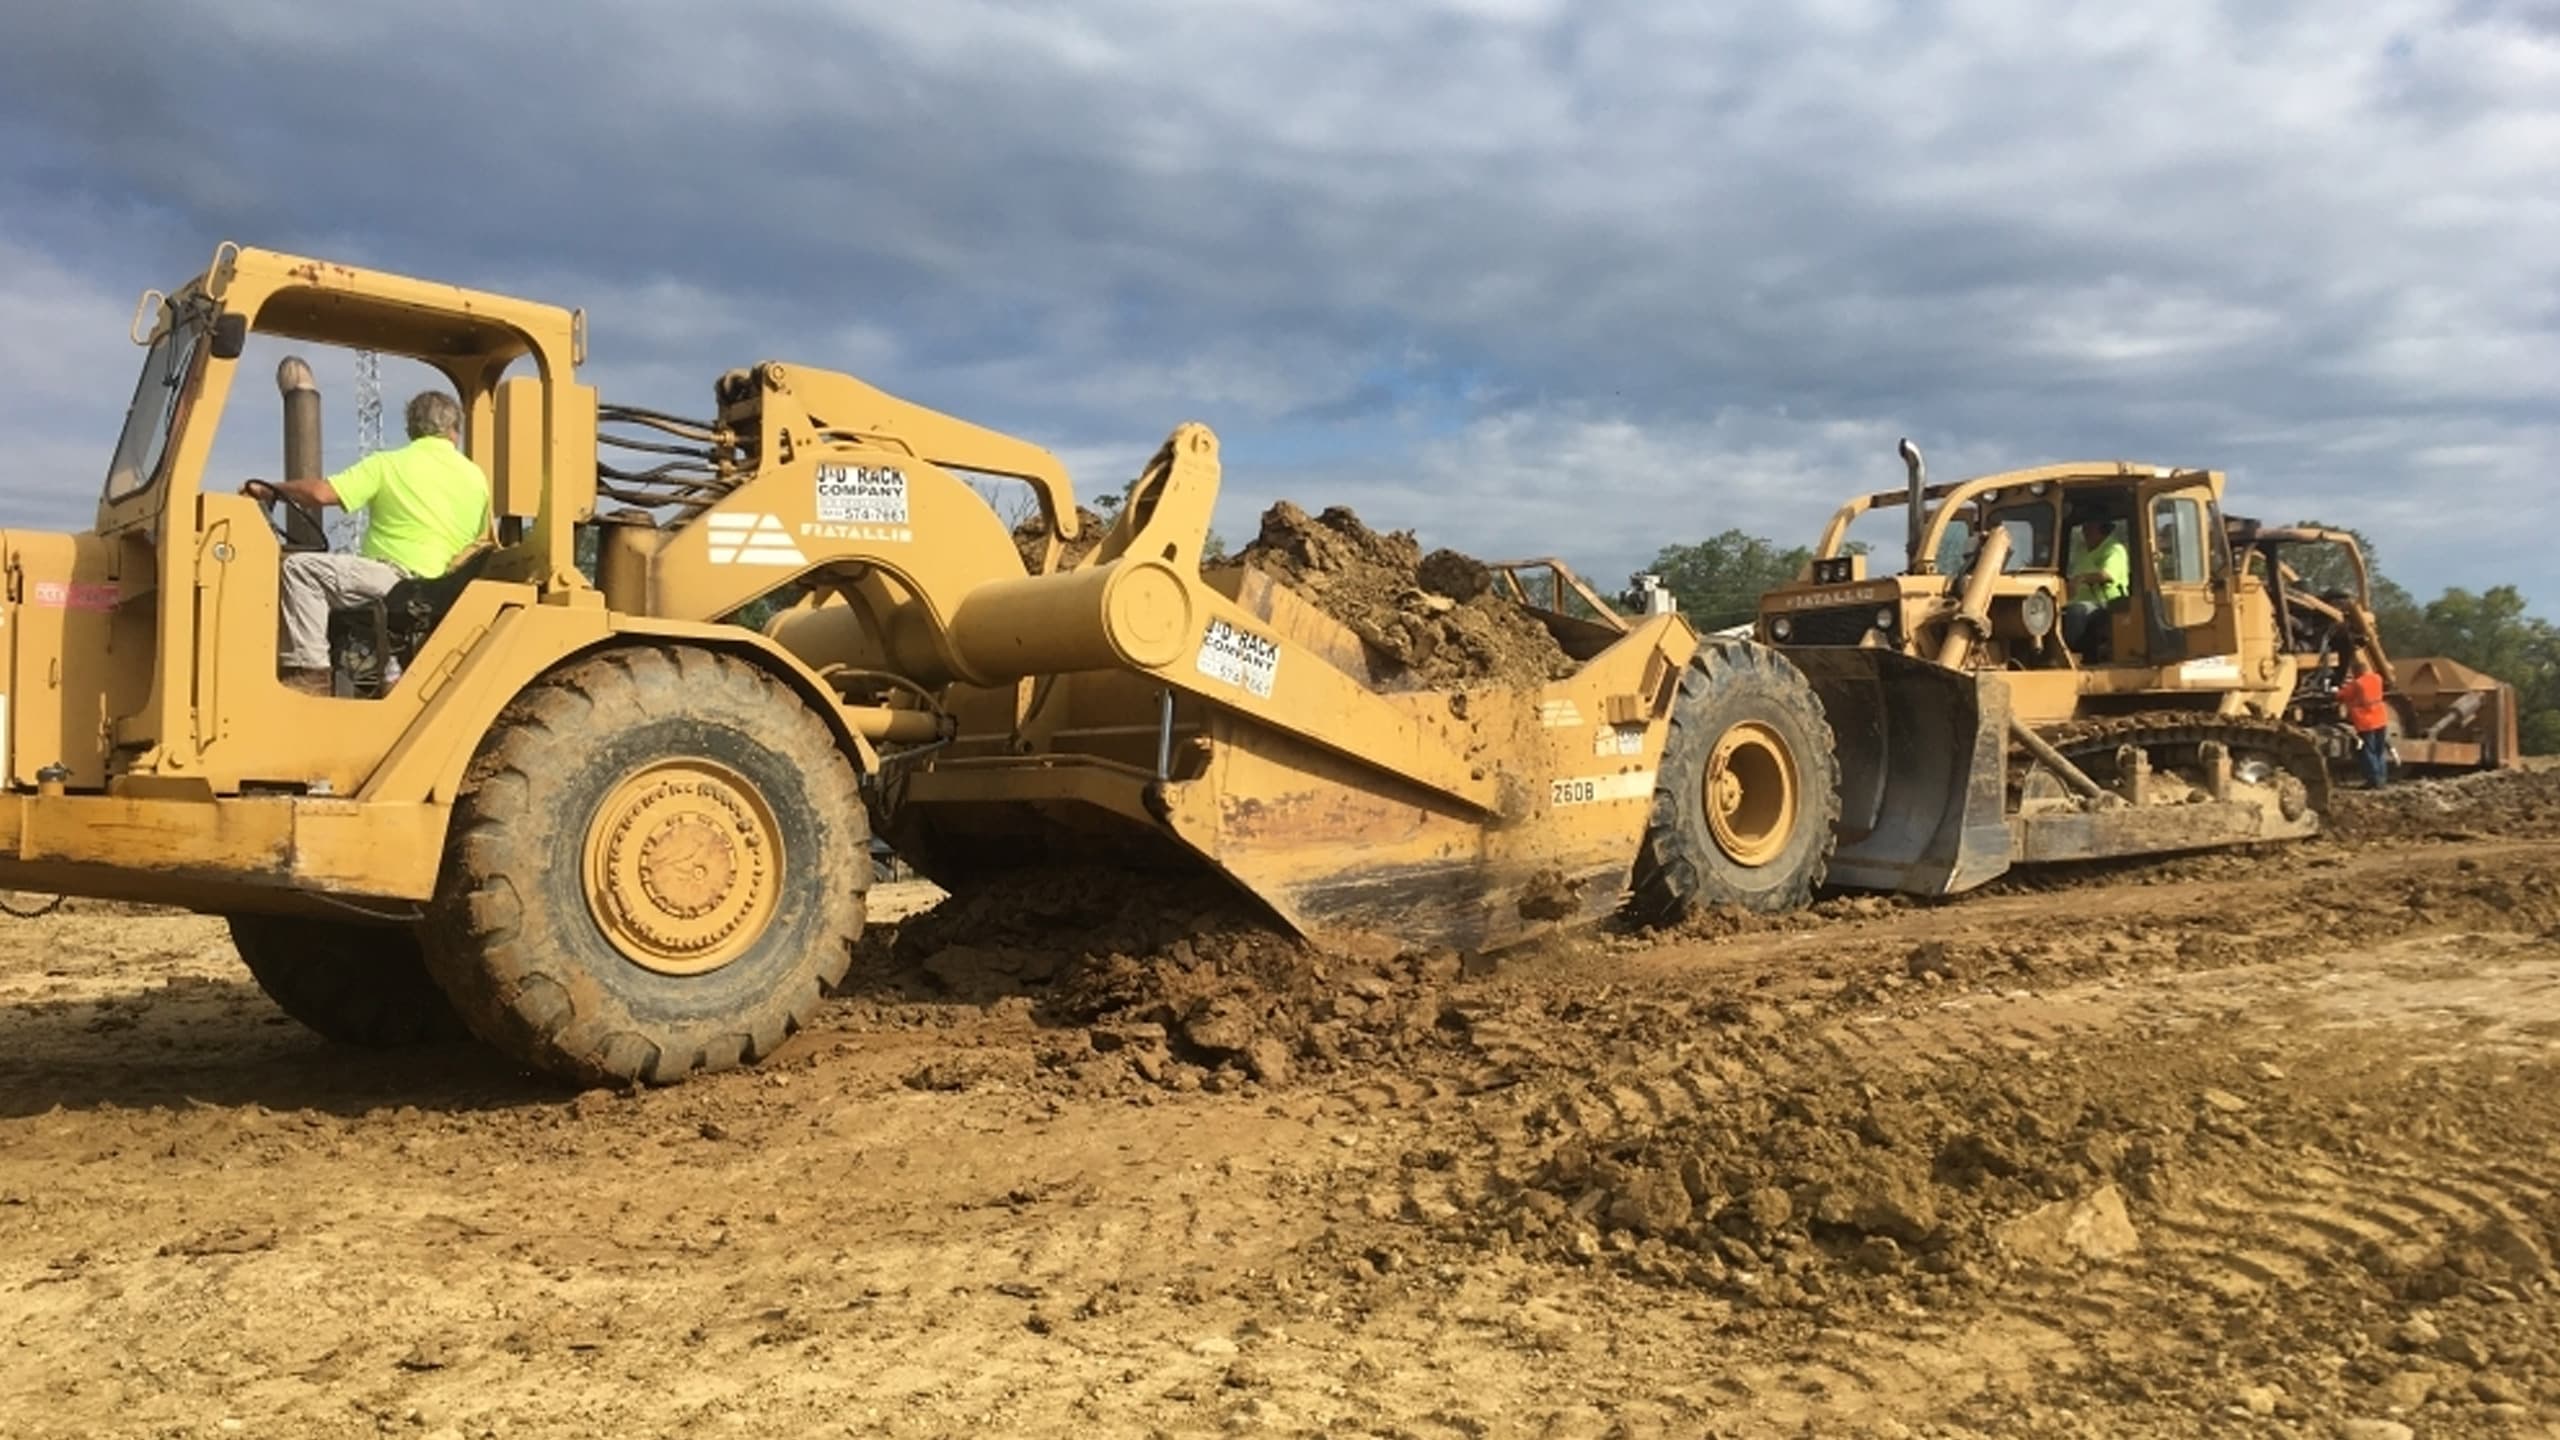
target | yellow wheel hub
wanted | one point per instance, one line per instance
(1750, 793)
(683, 866)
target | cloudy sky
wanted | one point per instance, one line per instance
(1583, 276)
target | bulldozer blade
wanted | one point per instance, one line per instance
(1923, 771)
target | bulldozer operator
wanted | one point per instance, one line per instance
(426, 505)
(2101, 573)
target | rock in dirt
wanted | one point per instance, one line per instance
(2405, 1389)
(1435, 622)
(1221, 1025)
(2375, 1430)
(2416, 1333)
(1267, 1060)
(1651, 1203)
(1885, 1204)
(1930, 958)
(2496, 1390)
(2095, 1227)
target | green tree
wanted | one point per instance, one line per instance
(1719, 581)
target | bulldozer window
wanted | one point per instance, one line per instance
(152, 419)
(2030, 530)
(2030, 540)
(2177, 524)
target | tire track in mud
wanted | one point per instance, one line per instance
(2280, 1188)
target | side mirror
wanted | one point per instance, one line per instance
(230, 335)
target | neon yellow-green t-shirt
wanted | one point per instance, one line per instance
(425, 503)
(2107, 558)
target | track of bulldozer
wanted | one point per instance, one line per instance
(2171, 739)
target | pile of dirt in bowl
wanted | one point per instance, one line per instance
(1434, 618)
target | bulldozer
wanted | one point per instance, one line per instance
(559, 799)
(2446, 718)
(1973, 733)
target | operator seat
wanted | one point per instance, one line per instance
(365, 639)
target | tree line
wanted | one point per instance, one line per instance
(1719, 582)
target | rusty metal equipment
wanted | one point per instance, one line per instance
(1972, 737)
(2446, 718)
(581, 816)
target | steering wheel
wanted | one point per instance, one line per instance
(299, 528)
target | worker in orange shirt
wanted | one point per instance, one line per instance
(2361, 699)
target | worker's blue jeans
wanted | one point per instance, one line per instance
(2373, 750)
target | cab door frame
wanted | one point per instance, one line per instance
(2184, 572)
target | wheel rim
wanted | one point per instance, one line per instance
(683, 865)
(1750, 793)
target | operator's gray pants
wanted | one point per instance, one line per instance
(316, 583)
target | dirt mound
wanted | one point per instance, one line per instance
(2515, 804)
(1434, 617)
(1158, 980)
(1784, 1195)
(1031, 537)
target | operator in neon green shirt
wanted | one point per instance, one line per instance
(2100, 573)
(426, 504)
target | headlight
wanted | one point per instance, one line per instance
(2036, 612)
(1781, 628)
(1884, 617)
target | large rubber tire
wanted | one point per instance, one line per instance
(1748, 722)
(356, 984)
(549, 957)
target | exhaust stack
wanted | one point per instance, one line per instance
(1911, 563)
(301, 418)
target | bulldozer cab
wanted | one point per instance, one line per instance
(1993, 578)
(2320, 589)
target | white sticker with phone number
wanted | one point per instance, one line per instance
(1618, 740)
(1240, 658)
(862, 494)
(1593, 789)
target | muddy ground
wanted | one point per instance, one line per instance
(2246, 1144)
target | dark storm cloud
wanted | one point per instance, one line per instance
(1602, 274)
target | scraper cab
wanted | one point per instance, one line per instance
(2067, 665)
